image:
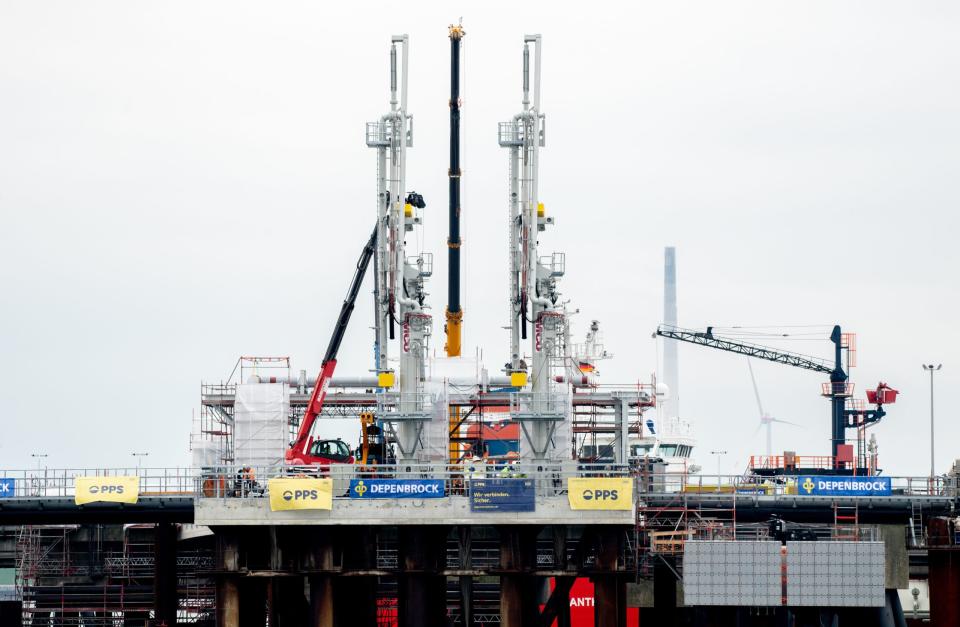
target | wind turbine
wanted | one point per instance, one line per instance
(766, 420)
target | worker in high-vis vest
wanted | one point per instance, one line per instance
(473, 468)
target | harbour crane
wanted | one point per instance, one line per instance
(837, 390)
(304, 450)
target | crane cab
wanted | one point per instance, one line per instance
(325, 452)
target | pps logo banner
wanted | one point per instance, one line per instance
(106, 490)
(300, 493)
(600, 493)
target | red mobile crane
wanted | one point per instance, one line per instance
(304, 450)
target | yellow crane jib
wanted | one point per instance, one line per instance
(453, 328)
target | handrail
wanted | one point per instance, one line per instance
(549, 477)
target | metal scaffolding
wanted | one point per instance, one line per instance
(103, 576)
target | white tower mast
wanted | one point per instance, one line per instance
(534, 298)
(400, 279)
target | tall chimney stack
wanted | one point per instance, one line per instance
(671, 367)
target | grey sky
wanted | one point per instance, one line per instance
(182, 183)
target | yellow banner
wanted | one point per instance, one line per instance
(601, 493)
(300, 493)
(106, 489)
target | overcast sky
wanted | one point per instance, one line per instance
(182, 183)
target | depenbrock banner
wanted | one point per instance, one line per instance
(396, 489)
(813, 485)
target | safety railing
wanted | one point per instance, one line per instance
(398, 406)
(422, 262)
(772, 462)
(509, 134)
(377, 134)
(549, 479)
(787, 485)
(534, 404)
(556, 263)
(61, 482)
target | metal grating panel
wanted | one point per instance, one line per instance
(835, 574)
(818, 574)
(732, 573)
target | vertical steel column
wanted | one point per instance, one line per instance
(943, 557)
(610, 590)
(320, 558)
(511, 590)
(664, 591)
(165, 573)
(356, 596)
(838, 400)
(228, 602)
(288, 603)
(560, 562)
(321, 601)
(466, 581)
(228, 593)
(253, 601)
(422, 590)
(518, 599)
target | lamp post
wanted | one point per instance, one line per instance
(139, 457)
(39, 457)
(719, 455)
(931, 369)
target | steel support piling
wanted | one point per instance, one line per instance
(610, 590)
(165, 573)
(422, 598)
(943, 558)
(518, 599)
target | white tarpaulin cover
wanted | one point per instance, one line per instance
(260, 423)
(205, 454)
(435, 439)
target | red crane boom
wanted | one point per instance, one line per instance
(301, 451)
